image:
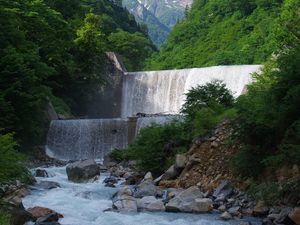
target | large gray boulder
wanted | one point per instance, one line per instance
(147, 188)
(82, 171)
(190, 200)
(170, 174)
(224, 190)
(123, 200)
(150, 204)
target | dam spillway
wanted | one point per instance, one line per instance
(152, 92)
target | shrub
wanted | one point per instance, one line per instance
(206, 96)
(4, 219)
(12, 163)
(156, 145)
(267, 191)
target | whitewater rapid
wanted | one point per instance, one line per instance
(83, 204)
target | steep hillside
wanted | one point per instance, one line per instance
(221, 33)
(159, 16)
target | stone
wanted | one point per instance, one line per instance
(180, 161)
(148, 176)
(38, 212)
(190, 200)
(170, 174)
(52, 217)
(150, 204)
(47, 185)
(111, 179)
(225, 189)
(19, 215)
(245, 223)
(260, 209)
(147, 188)
(125, 203)
(295, 216)
(226, 216)
(222, 208)
(41, 173)
(82, 171)
(234, 211)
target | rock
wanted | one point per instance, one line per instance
(224, 189)
(222, 208)
(50, 218)
(190, 200)
(295, 216)
(226, 216)
(148, 176)
(170, 174)
(19, 215)
(180, 161)
(41, 173)
(47, 185)
(234, 211)
(110, 184)
(244, 223)
(150, 204)
(125, 203)
(147, 188)
(132, 179)
(260, 209)
(111, 179)
(38, 212)
(82, 171)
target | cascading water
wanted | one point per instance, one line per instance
(86, 139)
(143, 122)
(163, 91)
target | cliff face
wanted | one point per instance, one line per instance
(159, 16)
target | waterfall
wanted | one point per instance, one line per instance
(86, 139)
(143, 122)
(164, 91)
(154, 92)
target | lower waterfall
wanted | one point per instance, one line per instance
(86, 139)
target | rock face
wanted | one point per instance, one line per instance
(82, 171)
(190, 200)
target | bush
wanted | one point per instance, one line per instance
(4, 219)
(267, 191)
(12, 163)
(156, 146)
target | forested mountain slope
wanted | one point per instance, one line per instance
(53, 50)
(218, 32)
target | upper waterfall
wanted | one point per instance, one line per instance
(156, 92)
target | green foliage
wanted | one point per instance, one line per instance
(12, 164)
(217, 32)
(54, 50)
(207, 95)
(268, 192)
(269, 114)
(156, 145)
(4, 219)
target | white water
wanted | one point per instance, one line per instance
(83, 204)
(86, 139)
(164, 91)
(143, 122)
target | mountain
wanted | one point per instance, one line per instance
(159, 15)
(217, 32)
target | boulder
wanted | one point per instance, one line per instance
(260, 209)
(180, 161)
(82, 171)
(125, 203)
(148, 176)
(190, 200)
(19, 215)
(224, 190)
(38, 212)
(170, 174)
(41, 173)
(111, 180)
(50, 219)
(226, 216)
(47, 185)
(234, 211)
(150, 204)
(147, 188)
(295, 216)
